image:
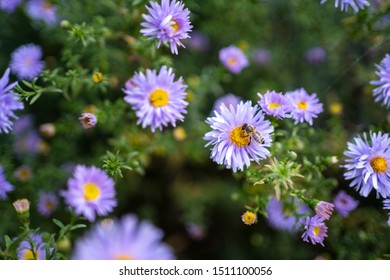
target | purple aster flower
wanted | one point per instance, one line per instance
(88, 120)
(345, 4)
(382, 92)
(195, 231)
(232, 145)
(124, 239)
(198, 42)
(315, 55)
(304, 107)
(26, 62)
(233, 59)
(344, 203)
(386, 205)
(261, 56)
(25, 250)
(42, 10)
(283, 216)
(90, 192)
(275, 104)
(315, 230)
(168, 22)
(324, 209)
(9, 5)
(47, 203)
(157, 99)
(368, 164)
(23, 173)
(9, 102)
(5, 187)
(227, 100)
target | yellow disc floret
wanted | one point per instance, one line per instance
(91, 191)
(239, 137)
(302, 105)
(249, 218)
(379, 164)
(159, 98)
(317, 230)
(273, 105)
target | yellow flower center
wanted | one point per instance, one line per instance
(249, 218)
(302, 105)
(317, 230)
(91, 191)
(232, 61)
(124, 257)
(273, 105)
(97, 77)
(239, 137)
(175, 26)
(49, 204)
(379, 164)
(159, 98)
(28, 255)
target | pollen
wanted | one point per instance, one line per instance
(239, 137)
(249, 218)
(159, 98)
(317, 230)
(302, 105)
(379, 164)
(91, 191)
(273, 105)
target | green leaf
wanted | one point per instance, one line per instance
(59, 223)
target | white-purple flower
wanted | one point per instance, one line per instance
(5, 186)
(88, 120)
(386, 205)
(169, 22)
(198, 42)
(157, 99)
(26, 62)
(9, 5)
(124, 239)
(354, 4)
(315, 230)
(9, 102)
(324, 209)
(283, 215)
(368, 164)
(274, 104)
(382, 91)
(47, 203)
(36, 252)
(233, 58)
(304, 107)
(232, 145)
(227, 100)
(90, 192)
(42, 10)
(344, 203)
(261, 56)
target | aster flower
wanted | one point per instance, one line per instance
(42, 10)
(368, 164)
(9, 5)
(9, 102)
(382, 92)
(233, 59)
(345, 4)
(304, 107)
(315, 230)
(195, 231)
(23, 173)
(26, 62)
(315, 55)
(5, 186)
(249, 218)
(324, 210)
(232, 146)
(227, 100)
(157, 99)
(168, 22)
(386, 205)
(90, 192)
(344, 203)
(36, 252)
(47, 203)
(274, 104)
(283, 216)
(198, 42)
(88, 120)
(124, 239)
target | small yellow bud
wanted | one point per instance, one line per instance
(97, 77)
(179, 133)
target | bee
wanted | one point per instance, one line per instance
(253, 134)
